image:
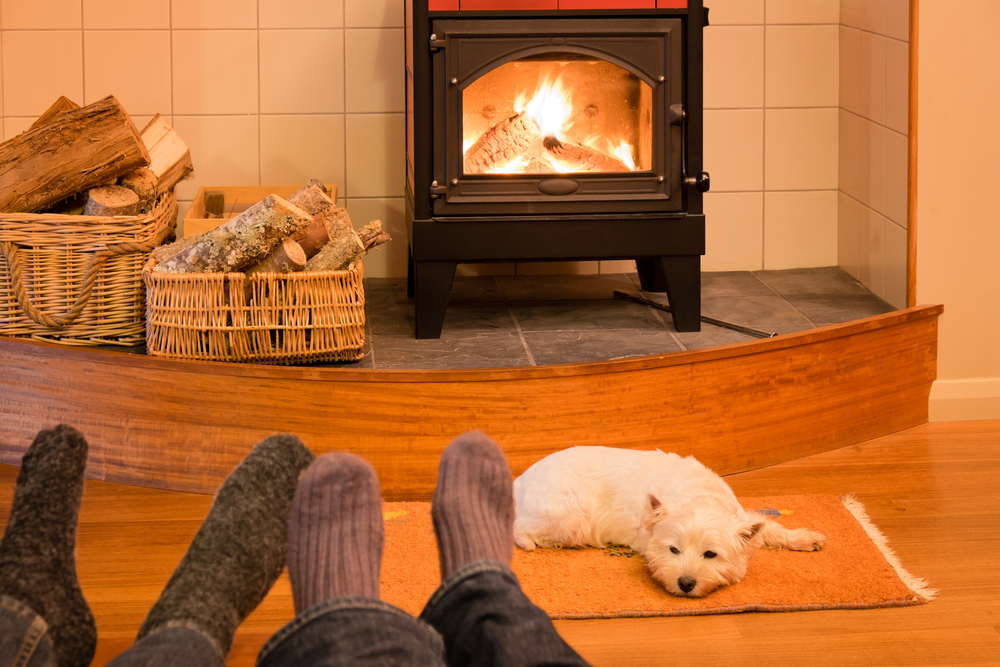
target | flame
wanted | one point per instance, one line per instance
(515, 166)
(550, 108)
(623, 151)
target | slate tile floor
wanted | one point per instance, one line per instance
(508, 321)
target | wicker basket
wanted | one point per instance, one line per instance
(74, 279)
(288, 318)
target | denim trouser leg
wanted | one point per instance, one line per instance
(172, 645)
(485, 619)
(24, 636)
(353, 631)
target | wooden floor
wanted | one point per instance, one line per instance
(934, 490)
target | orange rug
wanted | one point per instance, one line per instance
(855, 570)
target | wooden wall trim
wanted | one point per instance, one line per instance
(183, 426)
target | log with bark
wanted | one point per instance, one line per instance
(347, 247)
(143, 183)
(111, 200)
(502, 143)
(71, 152)
(170, 158)
(240, 242)
(62, 105)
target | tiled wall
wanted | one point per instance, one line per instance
(874, 63)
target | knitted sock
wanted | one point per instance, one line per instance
(239, 551)
(335, 532)
(37, 560)
(473, 508)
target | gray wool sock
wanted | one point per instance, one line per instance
(473, 507)
(37, 559)
(335, 532)
(239, 551)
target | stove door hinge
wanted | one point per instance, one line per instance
(437, 190)
(436, 43)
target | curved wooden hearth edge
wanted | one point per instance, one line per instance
(183, 425)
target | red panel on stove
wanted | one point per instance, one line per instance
(672, 4)
(442, 5)
(509, 4)
(607, 4)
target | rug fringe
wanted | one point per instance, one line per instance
(919, 586)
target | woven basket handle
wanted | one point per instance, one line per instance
(10, 253)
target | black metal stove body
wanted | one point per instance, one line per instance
(486, 183)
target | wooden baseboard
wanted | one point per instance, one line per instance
(184, 426)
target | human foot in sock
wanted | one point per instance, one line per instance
(37, 560)
(239, 551)
(335, 532)
(473, 507)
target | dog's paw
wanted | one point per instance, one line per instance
(523, 541)
(806, 540)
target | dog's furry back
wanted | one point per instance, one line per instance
(576, 497)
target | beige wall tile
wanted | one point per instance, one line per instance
(39, 67)
(215, 71)
(850, 69)
(873, 77)
(802, 66)
(734, 234)
(225, 150)
(734, 67)
(556, 268)
(736, 12)
(849, 235)
(301, 13)
(895, 177)
(301, 71)
(142, 85)
(373, 14)
(895, 265)
(40, 14)
(389, 259)
(126, 14)
(374, 80)
(617, 266)
(873, 16)
(182, 209)
(1, 80)
(487, 269)
(734, 149)
(801, 149)
(198, 14)
(800, 229)
(897, 19)
(850, 154)
(802, 11)
(897, 85)
(294, 149)
(376, 158)
(851, 13)
(872, 254)
(871, 173)
(15, 126)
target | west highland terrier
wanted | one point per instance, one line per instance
(679, 515)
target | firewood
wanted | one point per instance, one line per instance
(111, 200)
(285, 258)
(502, 143)
(168, 250)
(240, 242)
(577, 157)
(170, 158)
(62, 105)
(314, 237)
(143, 183)
(312, 198)
(215, 203)
(346, 248)
(72, 152)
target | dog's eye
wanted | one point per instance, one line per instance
(709, 554)
(674, 550)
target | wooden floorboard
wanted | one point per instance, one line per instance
(932, 490)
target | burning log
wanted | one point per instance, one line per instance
(577, 157)
(502, 143)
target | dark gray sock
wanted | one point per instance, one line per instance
(240, 549)
(37, 559)
(473, 507)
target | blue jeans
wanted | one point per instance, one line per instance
(478, 616)
(24, 636)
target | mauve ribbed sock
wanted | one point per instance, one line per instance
(473, 508)
(335, 532)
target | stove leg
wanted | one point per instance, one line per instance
(682, 274)
(409, 275)
(650, 275)
(431, 288)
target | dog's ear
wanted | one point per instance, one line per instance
(655, 511)
(748, 531)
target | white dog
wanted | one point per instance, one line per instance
(682, 517)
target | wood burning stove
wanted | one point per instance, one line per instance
(555, 134)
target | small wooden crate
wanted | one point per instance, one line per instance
(289, 318)
(238, 198)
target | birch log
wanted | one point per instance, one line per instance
(347, 247)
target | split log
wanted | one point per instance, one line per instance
(170, 158)
(502, 143)
(577, 157)
(111, 200)
(60, 106)
(346, 248)
(72, 152)
(143, 183)
(240, 242)
(285, 258)
(312, 198)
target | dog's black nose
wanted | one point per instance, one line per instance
(687, 584)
